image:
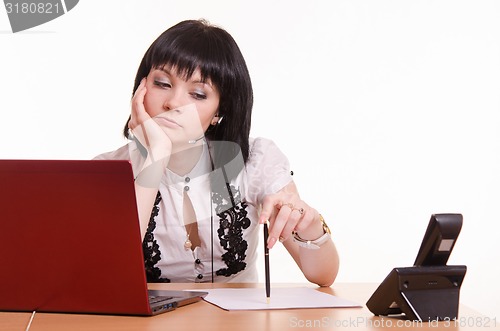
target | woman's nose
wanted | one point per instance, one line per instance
(173, 101)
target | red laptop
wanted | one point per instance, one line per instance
(70, 240)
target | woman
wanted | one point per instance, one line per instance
(202, 185)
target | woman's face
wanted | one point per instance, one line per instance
(183, 108)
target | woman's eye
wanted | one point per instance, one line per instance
(199, 95)
(162, 84)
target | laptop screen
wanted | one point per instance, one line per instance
(70, 238)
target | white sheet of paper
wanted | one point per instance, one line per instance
(281, 298)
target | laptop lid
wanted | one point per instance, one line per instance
(70, 238)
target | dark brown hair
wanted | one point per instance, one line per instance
(195, 44)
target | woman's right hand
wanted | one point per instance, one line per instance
(146, 130)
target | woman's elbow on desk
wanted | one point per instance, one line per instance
(320, 266)
(326, 276)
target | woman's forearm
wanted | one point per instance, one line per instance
(320, 266)
(146, 189)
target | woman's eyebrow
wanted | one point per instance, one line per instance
(165, 70)
(206, 82)
(201, 81)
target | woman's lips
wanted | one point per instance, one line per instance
(164, 121)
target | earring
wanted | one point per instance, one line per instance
(215, 122)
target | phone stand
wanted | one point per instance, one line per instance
(421, 293)
(430, 289)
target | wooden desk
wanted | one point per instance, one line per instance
(203, 316)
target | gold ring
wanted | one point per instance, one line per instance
(289, 205)
(300, 210)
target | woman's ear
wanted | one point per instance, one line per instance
(216, 119)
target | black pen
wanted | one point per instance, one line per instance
(266, 259)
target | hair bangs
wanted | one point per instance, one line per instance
(186, 54)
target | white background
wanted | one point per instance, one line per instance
(389, 111)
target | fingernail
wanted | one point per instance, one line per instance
(270, 242)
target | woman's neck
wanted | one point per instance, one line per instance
(183, 160)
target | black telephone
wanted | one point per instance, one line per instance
(430, 289)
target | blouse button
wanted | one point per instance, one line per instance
(200, 276)
(186, 188)
(197, 261)
(187, 179)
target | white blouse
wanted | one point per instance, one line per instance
(229, 233)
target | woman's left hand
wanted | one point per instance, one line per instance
(287, 213)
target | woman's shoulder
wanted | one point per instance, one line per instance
(122, 153)
(267, 169)
(261, 143)
(129, 152)
(265, 152)
(260, 146)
